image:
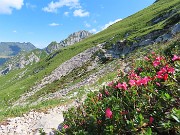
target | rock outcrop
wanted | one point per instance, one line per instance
(72, 39)
(122, 47)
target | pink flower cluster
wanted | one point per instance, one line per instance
(122, 86)
(65, 126)
(176, 58)
(163, 73)
(136, 80)
(157, 61)
(108, 113)
(139, 82)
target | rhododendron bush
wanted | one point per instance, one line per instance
(143, 101)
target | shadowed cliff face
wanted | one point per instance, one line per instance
(3, 60)
(15, 49)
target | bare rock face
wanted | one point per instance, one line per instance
(77, 37)
(72, 39)
(163, 16)
(20, 61)
(175, 29)
(122, 47)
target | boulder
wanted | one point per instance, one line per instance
(163, 38)
(175, 29)
(146, 42)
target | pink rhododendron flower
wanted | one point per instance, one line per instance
(158, 84)
(165, 77)
(100, 96)
(132, 82)
(107, 93)
(146, 58)
(66, 126)
(122, 86)
(156, 63)
(175, 57)
(145, 80)
(110, 84)
(108, 113)
(159, 58)
(140, 69)
(151, 119)
(171, 70)
(159, 76)
(138, 82)
(118, 85)
(133, 75)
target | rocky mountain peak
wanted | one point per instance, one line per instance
(70, 40)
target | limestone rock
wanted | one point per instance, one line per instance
(72, 39)
(175, 29)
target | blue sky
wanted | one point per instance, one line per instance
(43, 21)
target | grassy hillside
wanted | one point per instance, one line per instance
(20, 81)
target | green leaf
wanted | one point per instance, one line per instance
(167, 96)
(149, 131)
(175, 118)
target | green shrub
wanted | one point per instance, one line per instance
(144, 101)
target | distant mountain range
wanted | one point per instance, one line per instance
(9, 49)
(19, 55)
(14, 48)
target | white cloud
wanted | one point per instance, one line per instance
(94, 21)
(87, 24)
(29, 5)
(14, 31)
(93, 31)
(66, 13)
(80, 13)
(54, 24)
(6, 6)
(110, 23)
(53, 6)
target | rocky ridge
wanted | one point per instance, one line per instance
(72, 39)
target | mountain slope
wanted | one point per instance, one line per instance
(33, 83)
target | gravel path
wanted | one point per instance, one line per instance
(29, 124)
